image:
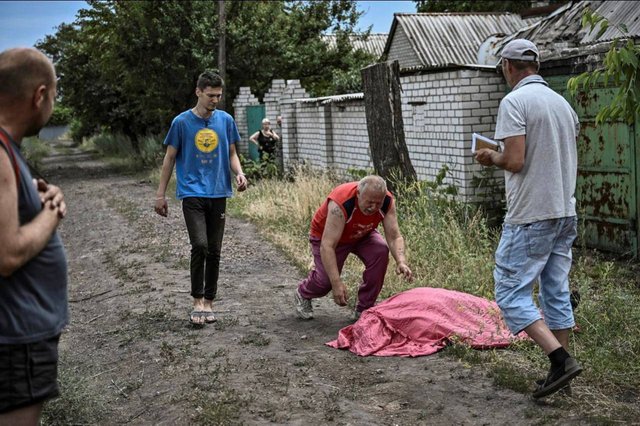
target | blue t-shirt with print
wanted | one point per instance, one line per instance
(202, 161)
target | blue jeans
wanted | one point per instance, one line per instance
(526, 253)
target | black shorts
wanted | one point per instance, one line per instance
(28, 373)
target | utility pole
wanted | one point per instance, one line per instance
(222, 48)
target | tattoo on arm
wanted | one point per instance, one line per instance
(337, 212)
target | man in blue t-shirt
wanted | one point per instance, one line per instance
(201, 143)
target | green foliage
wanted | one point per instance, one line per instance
(34, 150)
(113, 145)
(62, 115)
(620, 67)
(151, 151)
(428, 6)
(357, 174)
(130, 67)
(257, 170)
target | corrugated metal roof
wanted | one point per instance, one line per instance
(617, 12)
(373, 44)
(446, 38)
(561, 33)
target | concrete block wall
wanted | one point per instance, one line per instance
(244, 99)
(401, 50)
(350, 137)
(441, 110)
(311, 126)
(289, 136)
(272, 100)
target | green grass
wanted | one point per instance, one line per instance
(77, 403)
(34, 150)
(451, 246)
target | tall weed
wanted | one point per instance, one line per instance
(34, 150)
(284, 209)
(151, 151)
(113, 145)
(450, 245)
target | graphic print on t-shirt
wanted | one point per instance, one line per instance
(206, 140)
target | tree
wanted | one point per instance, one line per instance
(275, 39)
(385, 126)
(621, 65)
(131, 66)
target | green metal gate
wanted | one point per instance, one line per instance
(255, 114)
(608, 167)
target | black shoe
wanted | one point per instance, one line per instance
(566, 390)
(558, 378)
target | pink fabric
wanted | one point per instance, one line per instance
(422, 321)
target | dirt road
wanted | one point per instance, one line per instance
(140, 362)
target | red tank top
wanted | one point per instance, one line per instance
(358, 225)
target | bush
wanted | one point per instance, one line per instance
(114, 145)
(80, 131)
(151, 151)
(61, 116)
(257, 170)
(34, 150)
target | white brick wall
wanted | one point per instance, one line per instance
(244, 99)
(402, 51)
(440, 109)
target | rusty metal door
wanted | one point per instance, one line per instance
(608, 166)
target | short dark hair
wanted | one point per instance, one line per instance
(209, 79)
(523, 65)
(22, 70)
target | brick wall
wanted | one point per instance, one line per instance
(441, 109)
(350, 136)
(401, 50)
(440, 112)
(244, 99)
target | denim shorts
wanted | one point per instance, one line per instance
(28, 373)
(538, 251)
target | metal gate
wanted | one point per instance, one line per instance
(608, 167)
(255, 114)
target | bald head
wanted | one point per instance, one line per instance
(22, 71)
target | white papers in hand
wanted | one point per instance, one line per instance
(478, 142)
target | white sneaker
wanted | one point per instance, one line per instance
(303, 306)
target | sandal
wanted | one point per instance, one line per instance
(209, 317)
(197, 317)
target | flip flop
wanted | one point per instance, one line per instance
(196, 315)
(209, 317)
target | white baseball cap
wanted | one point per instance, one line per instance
(520, 50)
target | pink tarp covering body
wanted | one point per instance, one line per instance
(421, 321)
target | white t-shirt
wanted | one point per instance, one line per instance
(545, 187)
